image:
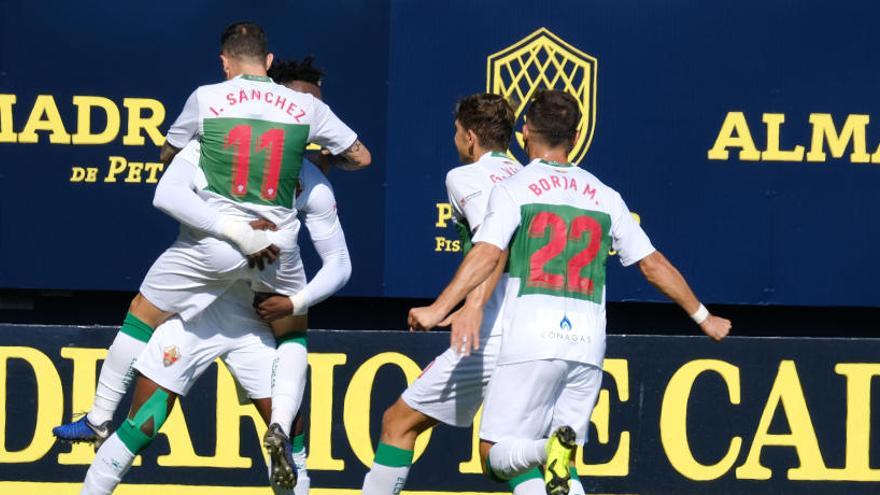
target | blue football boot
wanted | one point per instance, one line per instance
(83, 431)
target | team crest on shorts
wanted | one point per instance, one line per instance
(170, 355)
(539, 61)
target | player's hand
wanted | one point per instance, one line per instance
(274, 307)
(424, 318)
(716, 327)
(263, 224)
(263, 257)
(465, 333)
(268, 254)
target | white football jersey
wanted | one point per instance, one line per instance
(253, 133)
(469, 187)
(559, 222)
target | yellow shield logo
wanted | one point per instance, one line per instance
(543, 60)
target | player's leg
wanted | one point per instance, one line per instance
(286, 277)
(574, 408)
(251, 363)
(116, 373)
(518, 412)
(401, 425)
(288, 377)
(150, 407)
(185, 279)
(449, 390)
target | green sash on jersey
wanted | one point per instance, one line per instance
(560, 250)
(252, 160)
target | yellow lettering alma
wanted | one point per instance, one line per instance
(734, 133)
(773, 153)
(824, 131)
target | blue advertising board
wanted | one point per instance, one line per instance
(740, 134)
(747, 416)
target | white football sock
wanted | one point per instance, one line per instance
(534, 486)
(288, 383)
(110, 464)
(116, 375)
(385, 480)
(389, 472)
(511, 458)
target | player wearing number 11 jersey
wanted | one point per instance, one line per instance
(559, 223)
(252, 133)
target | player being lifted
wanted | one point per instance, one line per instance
(253, 133)
(179, 352)
(453, 386)
(559, 222)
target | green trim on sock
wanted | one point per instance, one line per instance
(300, 338)
(573, 471)
(136, 328)
(531, 474)
(130, 432)
(299, 443)
(391, 456)
(491, 473)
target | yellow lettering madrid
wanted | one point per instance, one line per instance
(841, 137)
(46, 121)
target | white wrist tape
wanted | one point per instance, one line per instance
(240, 233)
(700, 315)
(299, 303)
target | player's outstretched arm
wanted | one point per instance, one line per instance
(476, 267)
(663, 275)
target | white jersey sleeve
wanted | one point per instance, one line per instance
(177, 197)
(627, 235)
(502, 218)
(329, 131)
(186, 127)
(468, 199)
(318, 213)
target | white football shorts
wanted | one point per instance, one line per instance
(531, 399)
(452, 387)
(197, 269)
(179, 352)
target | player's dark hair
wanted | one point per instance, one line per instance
(554, 116)
(489, 116)
(286, 71)
(244, 40)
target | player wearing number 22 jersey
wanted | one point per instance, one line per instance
(559, 223)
